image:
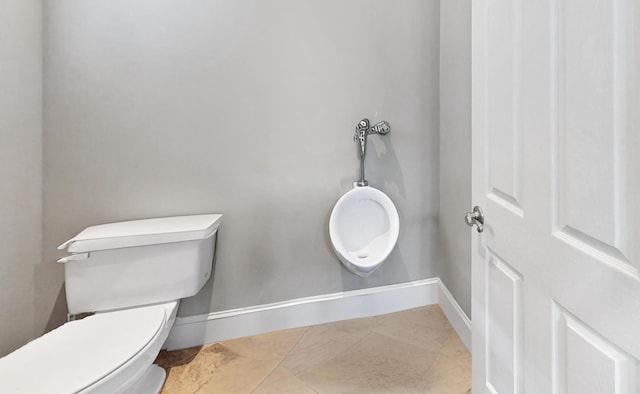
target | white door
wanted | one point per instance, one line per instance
(556, 169)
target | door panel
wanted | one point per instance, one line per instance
(595, 121)
(504, 327)
(556, 135)
(585, 362)
(505, 134)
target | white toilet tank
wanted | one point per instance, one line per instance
(139, 262)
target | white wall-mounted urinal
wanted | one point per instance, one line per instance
(364, 228)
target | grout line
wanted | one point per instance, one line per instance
(297, 342)
(441, 333)
(367, 330)
(266, 377)
(253, 390)
(280, 362)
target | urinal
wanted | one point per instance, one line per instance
(364, 228)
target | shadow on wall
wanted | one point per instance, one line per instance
(56, 318)
(382, 169)
(200, 304)
(394, 265)
(386, 167)
(50, 302)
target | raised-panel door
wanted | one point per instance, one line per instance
(556, 135)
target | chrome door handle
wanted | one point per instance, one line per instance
(475, 217)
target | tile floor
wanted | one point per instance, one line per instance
(414, 351)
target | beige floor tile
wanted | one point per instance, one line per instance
(415, 351)
(324, 342)
(188, 369)
(376, 364)
(283, 381)
(448, 375)
(454, 347)
(451, 371)
(216, 369)
(242, 375)
(423, 336)
(427, 316)
(273, 345)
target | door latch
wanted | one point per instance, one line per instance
(475, 217)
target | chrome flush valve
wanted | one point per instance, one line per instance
(363, 128)
(381, 128)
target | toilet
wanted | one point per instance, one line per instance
(363, 228)
(132, 275)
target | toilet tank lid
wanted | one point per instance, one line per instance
(143, 232)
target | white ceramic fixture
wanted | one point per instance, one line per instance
(132, 274)
(364, 228)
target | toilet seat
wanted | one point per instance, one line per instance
(94, 354)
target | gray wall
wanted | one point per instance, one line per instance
(20, 170)
(246, 108)
(454, 264)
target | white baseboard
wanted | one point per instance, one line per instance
(219, 326)
(454, 313)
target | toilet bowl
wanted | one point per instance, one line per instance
(132, 275)
(105, 353)
(363, 228)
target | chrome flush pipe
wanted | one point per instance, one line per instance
(361, 136)
(362, 130)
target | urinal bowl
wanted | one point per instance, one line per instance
(363, 228)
